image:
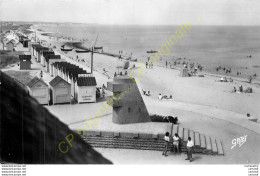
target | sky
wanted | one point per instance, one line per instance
(134, 12)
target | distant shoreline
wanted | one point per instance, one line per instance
(208, 69)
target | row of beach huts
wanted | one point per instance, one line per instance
(12, 39)
(69, 82)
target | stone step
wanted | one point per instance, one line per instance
(197, 139)
(174, 130)
(126, 147)
(191, 135)
(203, 144)
(185, 134)
(208, 143)
(123, 139)
(214, 145)
(123, 142)
(180, 132)
(219, 146)
(202, 141)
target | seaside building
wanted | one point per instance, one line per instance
(60, 91)
(31, 134)
(39, 90)
(26, 43)
(31, 45)
(53, 67)
(85, 88)
(25, 62)
(49, 60)
(127, 102)
(33, 48)
(43, 56)
(10, 45)
(22, 38)
(83, 85)
(38, 52)
(73, 75)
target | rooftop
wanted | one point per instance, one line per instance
(86, 81)
(34, 81)
(56, 80)
(27, 57)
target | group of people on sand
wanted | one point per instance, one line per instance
(176, 145)
(164, 97)
(229, 70)
(240, 90)
(77, 59)
(224, 79)
(147, 93)
(191, 65)
(225, 69)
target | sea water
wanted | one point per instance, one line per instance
(210, 46)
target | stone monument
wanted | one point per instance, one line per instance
(127, 102)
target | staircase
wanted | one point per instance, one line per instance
(139, 141)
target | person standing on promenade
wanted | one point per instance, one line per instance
(176, 140)
(190, 145)
(166, 143)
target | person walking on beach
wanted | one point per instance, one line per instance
(190, 145)
(166, 63)
(166, 143)
(146, 63)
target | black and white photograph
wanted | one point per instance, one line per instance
(96, 83)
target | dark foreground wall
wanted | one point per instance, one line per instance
(30, 134)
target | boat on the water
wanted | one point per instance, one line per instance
(98, 47)
(152, 51)
(63, 49)
(82, 51)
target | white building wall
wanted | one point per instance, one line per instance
(86, 94)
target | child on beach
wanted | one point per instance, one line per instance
(166, 143)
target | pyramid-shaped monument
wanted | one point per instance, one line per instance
(127, 102)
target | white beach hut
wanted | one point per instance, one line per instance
(85, 88)
(60, 90)
(39, 90)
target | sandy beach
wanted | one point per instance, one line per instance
(201, 103)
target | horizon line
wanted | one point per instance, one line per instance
(85, 23)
